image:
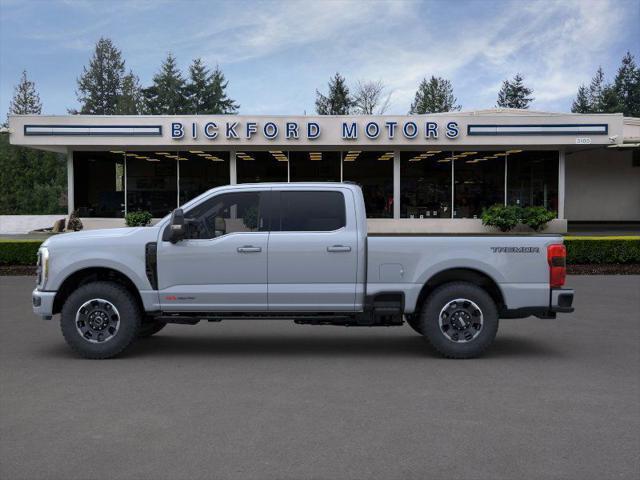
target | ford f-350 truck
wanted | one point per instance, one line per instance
(297, 251)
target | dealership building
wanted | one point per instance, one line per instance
(418, 172)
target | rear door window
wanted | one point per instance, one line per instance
(310, 211)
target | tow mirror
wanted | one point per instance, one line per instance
(177, 226)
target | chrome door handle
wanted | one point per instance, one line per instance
(339, 248)
(249, 249)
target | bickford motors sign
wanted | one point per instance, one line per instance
(295, 130)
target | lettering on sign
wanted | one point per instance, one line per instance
(348, 130)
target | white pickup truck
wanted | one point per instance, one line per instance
(298, 251)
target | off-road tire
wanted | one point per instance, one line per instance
(443, 296)
(150, 327)
(129, 319)
(413, 321)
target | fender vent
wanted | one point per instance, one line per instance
(151, 263)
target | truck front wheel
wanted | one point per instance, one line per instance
(459, 319)
(100, 320)
(149, 327)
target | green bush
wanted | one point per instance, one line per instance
(19, 252)
(504, 218)
(508, 217)
(586, 250)
(138, 219)
(536, 217)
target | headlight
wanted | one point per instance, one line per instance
(43, 267)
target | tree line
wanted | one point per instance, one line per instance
(106, 88)
(435, 95)
(34, 182)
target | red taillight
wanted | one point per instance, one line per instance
(557, 258)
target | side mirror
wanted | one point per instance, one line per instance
(177, 228)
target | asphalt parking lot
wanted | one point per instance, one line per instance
(273, 400)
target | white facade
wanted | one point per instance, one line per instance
(587, 165)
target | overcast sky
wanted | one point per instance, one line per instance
(275, 54)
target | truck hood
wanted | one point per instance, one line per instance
(99, 236)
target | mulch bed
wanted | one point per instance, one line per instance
(608, 269)
(17, 270)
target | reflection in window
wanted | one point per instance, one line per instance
(425, 184)
(315, 166)
(373, 171)
(478, 182)
(226, 213)
(254, 167)
(99, 184)
(201, 171)
(532, 178)
(152, 182)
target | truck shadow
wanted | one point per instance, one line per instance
(321, 346)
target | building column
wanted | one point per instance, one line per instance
(561, 177)
(233, 172)
(396, 184)
(70, 183)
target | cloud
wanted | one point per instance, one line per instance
(277, 53)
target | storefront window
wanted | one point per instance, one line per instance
(373, 171)
(532, 178)
(314, 166)
(201, 171)
(99, 184)
(425, 184)
(152, 182)
(253, 167)
(478, 182)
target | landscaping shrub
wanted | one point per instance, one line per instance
(19, 252)
(601, 250)
(508, 217)
(504, 218)
(536, 217)
(138, 219)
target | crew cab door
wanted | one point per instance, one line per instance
(313, 251)
(222, 263)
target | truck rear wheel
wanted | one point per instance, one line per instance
(100, 320)
(459, 319)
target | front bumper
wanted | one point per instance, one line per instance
(42, 303)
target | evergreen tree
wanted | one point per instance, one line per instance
(130, 101)
(433, 96)
(100, 85)
(196, 89)
(338, 101)
(31, 181)
(206, 91)
(25, 99)
(627, 86)
(167, 95)
(596, 91)
(514, 94)
(219, 102)
(581, 104)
